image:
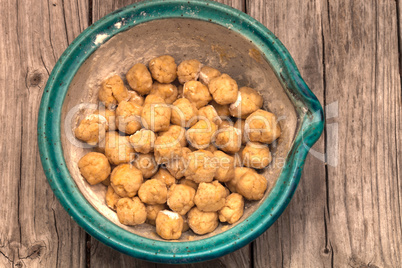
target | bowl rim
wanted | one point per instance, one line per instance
(307, 106)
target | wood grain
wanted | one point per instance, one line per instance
(35, 230)
(300, 231)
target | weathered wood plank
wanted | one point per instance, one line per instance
(363, 75)
(35, 229)
(102, 256)
(298, 238)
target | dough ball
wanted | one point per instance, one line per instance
(92, 129)
(131, 211)
(226, 166)
(168, 92)
(110, 116)
(190, 183)
(180, 198)
(188, 70)
(156, 117)
(200, 135)
(262, 126)
(164, 176)
(154, 99)
(152, 212)
(248, 101)
(251, 185)
(184, 113)
(163, 69)
(126, 180)
(197, 93)
(143, 141)
(111, 198)
(233, 209)
(239, 171)
(201, 166)
(112, 92)
(177, 167)
(169, 225)
(153, 192)
(167, 148)
(222, 110)
(223, 89)
(128, 117)
(210, 196)
(202, 222)
(209, 113)
(146, 164)
(228, 139)
(136, 98)
(177, 132)
(240, 124)
(94, 167)
(207, 74)
(118, 149)
(139, 79)
(256, 155)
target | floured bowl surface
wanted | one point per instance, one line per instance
(218, 36)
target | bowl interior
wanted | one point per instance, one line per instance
(213, 45)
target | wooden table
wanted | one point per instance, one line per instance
(346, 211)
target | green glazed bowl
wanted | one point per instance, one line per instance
(219, 36)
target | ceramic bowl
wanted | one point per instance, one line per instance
(218, 36)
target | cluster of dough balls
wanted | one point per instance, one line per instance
(178, 146)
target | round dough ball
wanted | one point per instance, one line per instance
(131, 211)
(252, 185)
(209, 113)
(146, 164)
(163, 69)
(94, 167)
(202, 222)
(135, 98)
(222, 110)
(177, 132)
(197, 93)
(210, 196)
(169, 225)
(256, 155)
(109, 115)
(200, 135)
(156, 117)
(226, 166)
(223, 89)
(164, 176)
(139, 78)
(233, 209)
(178, 166)
(189, 183)
(180, 198)
(188, 70)
(168, 92)
(111, 198)
(248, 101)
(239, 171)
(126, 180)
(92, 129)
(207, 74)
(153, 192)
(112, 92)
(262, 126)
(201, 166)
(184, 113)
(167, 148)
(152, 212)
(228, 139)
(128, 117)
(143, 141)
(118, 149)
